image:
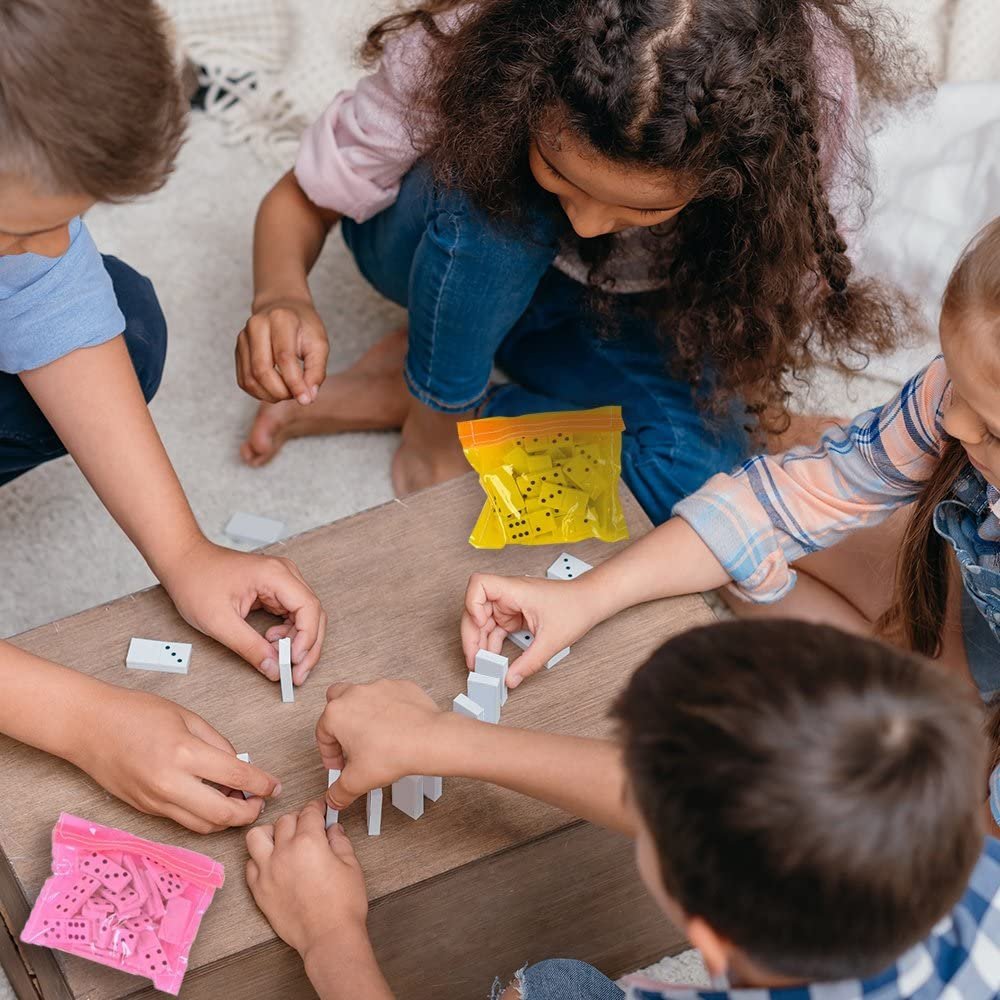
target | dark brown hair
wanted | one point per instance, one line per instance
(90, 96)
(757, 276)
(814, 796)
(917, 614)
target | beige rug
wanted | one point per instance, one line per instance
(62, 551)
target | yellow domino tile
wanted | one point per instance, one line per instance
(542, 522)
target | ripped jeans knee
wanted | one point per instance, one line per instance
(558, 979)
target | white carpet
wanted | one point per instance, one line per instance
(64, 553)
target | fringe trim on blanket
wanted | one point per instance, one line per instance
(250, 104)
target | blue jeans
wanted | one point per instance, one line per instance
(562, 979)
(26, 438)
(479, 293)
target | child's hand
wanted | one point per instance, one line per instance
(215, 588)
(157, 756)
(376, 734)
(307, 881)
(282, 351)
(555, 612)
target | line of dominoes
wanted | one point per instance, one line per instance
(487, 683)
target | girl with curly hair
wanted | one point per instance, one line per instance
(634, 202)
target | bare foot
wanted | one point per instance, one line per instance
(802, 430)
(430, 452)
(370, 395)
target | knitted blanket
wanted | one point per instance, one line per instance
(285, 59)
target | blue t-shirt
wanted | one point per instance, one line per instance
(50, 306)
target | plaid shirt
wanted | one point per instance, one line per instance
(778, 508)
(960, 960)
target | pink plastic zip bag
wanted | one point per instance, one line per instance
(128, 903)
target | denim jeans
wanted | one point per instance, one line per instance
(26, 438)
(562, 979)
(479, 293)
(966, 522)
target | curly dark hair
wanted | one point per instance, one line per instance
(756, 281)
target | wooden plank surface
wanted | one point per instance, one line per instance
(392, 581)
(520, 902)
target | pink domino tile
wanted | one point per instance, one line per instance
(128, 912)
(72, 900)
(126, 939)
(138, 882)
(149, 959)
(68, 933)
(139, 924)
(111, 875)
(105, 937)
(96, 908)
(125, 901)
(175, 920)
(154, 901)
(169, 884)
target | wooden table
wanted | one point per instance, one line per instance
(486, 881)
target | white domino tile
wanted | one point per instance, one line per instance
(332, 815)
(567, 567)
(558, 658)
(285, 670)
(408, 795)
(245, 757)
(254, 529)
(433, 788)
(373, 810)
(494, 665)
(165, 657)
(524, 639)
(485, 692)
(464, 705)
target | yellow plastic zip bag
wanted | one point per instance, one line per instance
(548, 477)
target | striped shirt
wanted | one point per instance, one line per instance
(778, 508)
(959, 960)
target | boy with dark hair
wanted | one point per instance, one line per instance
(91, 110)
(805, 804)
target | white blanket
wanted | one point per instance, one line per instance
(937, 184)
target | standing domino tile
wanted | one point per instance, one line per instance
(464, 705)
(485, 691)
(433, 788)
(558, 658)
(373, 810)
(245, 757)
(524, 639)
(166, 657)
(332, 815)
(408, 795)
(567, 567)
(254, 529)
(494, 665)
(285, 670)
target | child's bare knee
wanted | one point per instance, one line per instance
(513, 992)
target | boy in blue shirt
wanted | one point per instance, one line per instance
(91, 110)
(806, 806)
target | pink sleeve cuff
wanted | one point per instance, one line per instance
(344, 179)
